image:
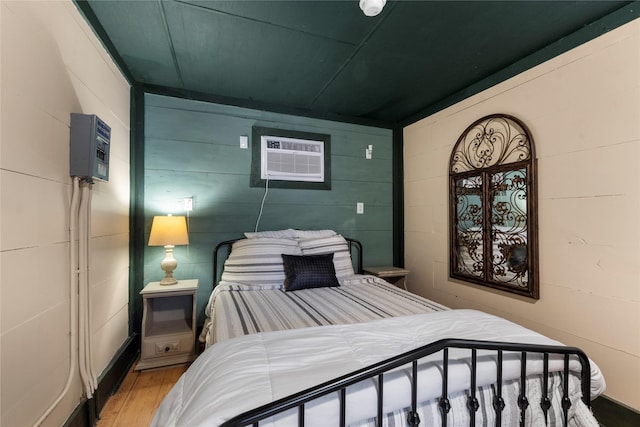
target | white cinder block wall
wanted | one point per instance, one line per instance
(52, 65)
(583, 109)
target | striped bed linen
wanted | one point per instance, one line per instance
(239, 309)
(429, 411)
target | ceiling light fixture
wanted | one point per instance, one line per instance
(372, 7)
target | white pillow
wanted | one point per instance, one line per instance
(333, 244)
(312, 234)
(258, 260)
(284, 234)
(290, 233)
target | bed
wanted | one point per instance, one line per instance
(295, 336)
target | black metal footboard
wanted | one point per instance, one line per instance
(378, 371)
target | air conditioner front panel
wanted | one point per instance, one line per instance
(291, 159)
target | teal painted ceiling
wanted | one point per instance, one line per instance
(327, 59)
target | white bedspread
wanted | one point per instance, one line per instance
(242, 373)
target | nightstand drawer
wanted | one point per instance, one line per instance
(167, 345)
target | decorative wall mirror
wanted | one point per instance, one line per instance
(493, 206)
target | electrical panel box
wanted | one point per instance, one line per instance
(89, 151)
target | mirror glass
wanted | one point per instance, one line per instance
(469, 227)
(508, 195)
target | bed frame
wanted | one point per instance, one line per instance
(354, 246)
(378, 370)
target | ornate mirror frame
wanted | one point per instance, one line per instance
(493, 206)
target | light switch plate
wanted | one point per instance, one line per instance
(188, 204)
(360, 208)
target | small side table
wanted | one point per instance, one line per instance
(394, 275)
(168, 324)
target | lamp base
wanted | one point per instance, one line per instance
(168, 264)
(168, 281)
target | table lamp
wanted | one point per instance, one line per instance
(168, 231)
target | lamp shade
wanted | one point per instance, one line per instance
(168, 230)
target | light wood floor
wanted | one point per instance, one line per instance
(139, 396)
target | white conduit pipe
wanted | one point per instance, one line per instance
(82, 292)
(92, 375)
(73, 300)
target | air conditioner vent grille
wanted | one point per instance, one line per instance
(291, 159)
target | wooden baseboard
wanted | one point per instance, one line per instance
(610, 413)
(82, 416)
(117, 370)
(87, 413)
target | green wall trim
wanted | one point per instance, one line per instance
(257, 105)
(398, 197)
(136, 209)
(589, 32)
(96, 26)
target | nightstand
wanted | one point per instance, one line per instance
(168, 324)
(394, 275)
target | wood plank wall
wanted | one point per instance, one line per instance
(192, 149)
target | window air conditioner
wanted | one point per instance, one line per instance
(291, 159)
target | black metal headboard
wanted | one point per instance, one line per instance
(226, 245)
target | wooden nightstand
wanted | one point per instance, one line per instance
(168, 324)
(394, 275)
